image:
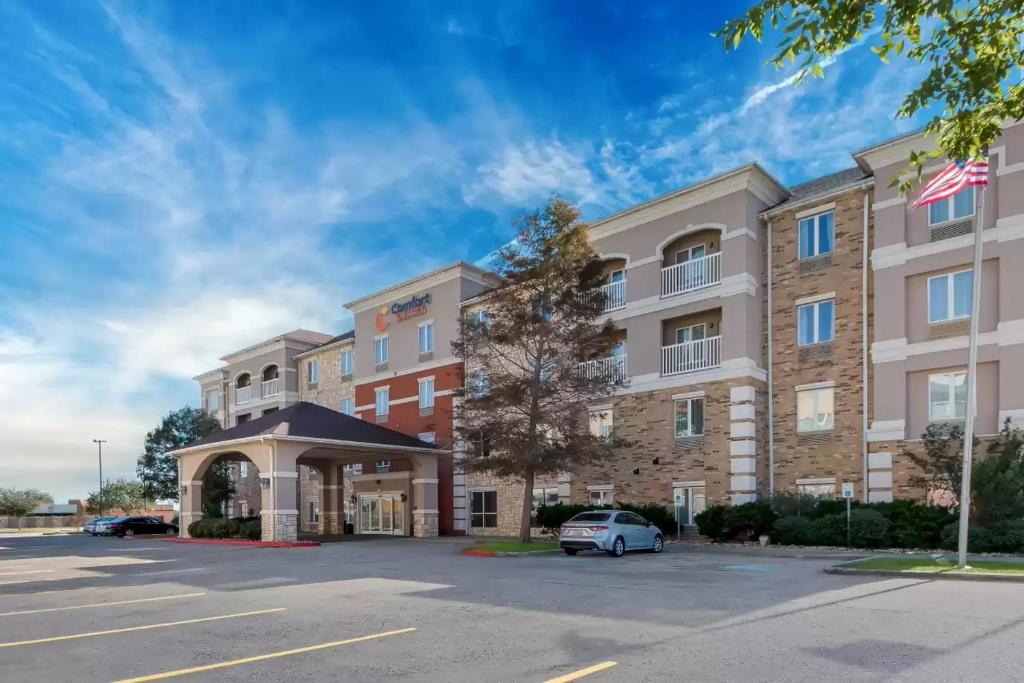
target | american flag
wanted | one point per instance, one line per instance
(954, 178)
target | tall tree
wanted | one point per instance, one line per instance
(157, 470)
(21, 502)
(122, 495)
(974, 48)
(524, 412)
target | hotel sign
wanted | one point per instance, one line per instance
(401, 310)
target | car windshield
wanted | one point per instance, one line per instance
(591, 517)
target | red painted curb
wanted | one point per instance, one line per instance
(244, 544)
(478, 553)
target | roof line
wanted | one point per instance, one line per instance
(259, 438)
(451, 266)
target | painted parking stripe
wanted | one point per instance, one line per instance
(101, 604)
(147, 627)
(28, 571)
(262, 658)
(576, 675)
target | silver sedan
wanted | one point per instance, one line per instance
(614, 531)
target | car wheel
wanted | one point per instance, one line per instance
(570, 551)
(618, 548)
(171, 531)
(128, 532)
(659, 544)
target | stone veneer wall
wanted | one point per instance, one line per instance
(332, 386)
(837, 453)
(510, 502)
(247, 488)
(310, 482)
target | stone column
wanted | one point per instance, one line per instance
(190, 493)
(424, 496)
(279, 518)
(331, 510)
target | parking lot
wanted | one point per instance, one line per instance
(107, 609)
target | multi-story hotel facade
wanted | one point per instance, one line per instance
(772, 339)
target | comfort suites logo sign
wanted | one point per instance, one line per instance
(399, 311)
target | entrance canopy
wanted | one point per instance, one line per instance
(309, 434)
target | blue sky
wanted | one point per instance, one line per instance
(181, 179)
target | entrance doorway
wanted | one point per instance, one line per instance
(693, 501)
(382, 514)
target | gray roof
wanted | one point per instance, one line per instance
(313, 421)
(823, 186)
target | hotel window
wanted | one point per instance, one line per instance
(690, 333)
(243, 469)
(545, 496)
(382, 399)
(816, 235)
(949, 296)
(483, 509)
(313, 370)
(816, 322)
(689, 417)
(815, 410)
(347, 407)
(312, 512)
(479, 383)
(383, 466)
(345, 360)
(819, 488)
(353, 469)
(212, 400)
(960, 205)
(601, 423)
(601, 496)
(481, 317)
(426, 334)
(380, 349)
(947, 396)
(426, 394)
(698, 251)
(426, 436)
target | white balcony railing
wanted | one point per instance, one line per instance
(243, 395)
(692, 275)
(614, 295)
(690, 356)
(613, 368)
(270, 387)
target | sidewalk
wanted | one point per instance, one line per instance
(755, 550)
(28, 533)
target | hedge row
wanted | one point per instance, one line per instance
(215, 527)
(553, 516)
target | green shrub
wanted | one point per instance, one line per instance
(829, 530)
(711, 523)
(750, 520)
(658, 515)
(554, 516)
(216, 527)
(868, 529)
(195, 529)
(914, 525)
(1001, 537)
(793, 531)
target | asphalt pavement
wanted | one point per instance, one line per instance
(106, 609)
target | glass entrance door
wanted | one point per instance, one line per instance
(382, 514)
(692, 502)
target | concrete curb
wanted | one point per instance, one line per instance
(472, 552)
(240, 543)
(943, 576)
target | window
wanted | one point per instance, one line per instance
(212, 400)
(601, 423)
(960, 205)
(816, 235)
(617, 276)
(242, 419)
(353, 469)
(426, 392)
(347, 407)
(243, 469)
(815, 409)
(604, 496)
(243, 508)
(816, 322)
(544, 496)
(689, 417)
(483, 509)
(691, 253)
(949, 296)
(426, 334)
(691, 333)
(380, 349)
(818, 489)
(383, 466)
(313, 370)
(345, 360)
(479, 383)
(947, 396)
(426, 436)
(382, 398)
(481, 317)
(312, 512)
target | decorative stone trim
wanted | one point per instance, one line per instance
(887, 430)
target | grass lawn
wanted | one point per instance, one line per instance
(516, 546)
(929, 565)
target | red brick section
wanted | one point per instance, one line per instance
(406, 418)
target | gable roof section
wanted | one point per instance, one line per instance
(312, 421)
(820, 188)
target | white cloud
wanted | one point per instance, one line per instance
(530, 172)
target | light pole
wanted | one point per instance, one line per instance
(99, 445)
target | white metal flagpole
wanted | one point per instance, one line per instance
(972, 384)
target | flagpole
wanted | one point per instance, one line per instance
(972, 366)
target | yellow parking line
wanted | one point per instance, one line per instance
(147, 627)
(261, 658)
(101, 604)
(576, 675)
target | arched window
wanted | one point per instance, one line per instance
(269, 373)
(270, 386)
(243, 380)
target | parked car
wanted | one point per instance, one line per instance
(614, 531)
(129, 526)
(91, 526)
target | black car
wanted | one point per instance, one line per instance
(129, 526)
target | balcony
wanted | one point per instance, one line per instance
(613, 368)
(270, 387)
(692, 275)
(613, 295)
(691, 356)
(243, 395)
